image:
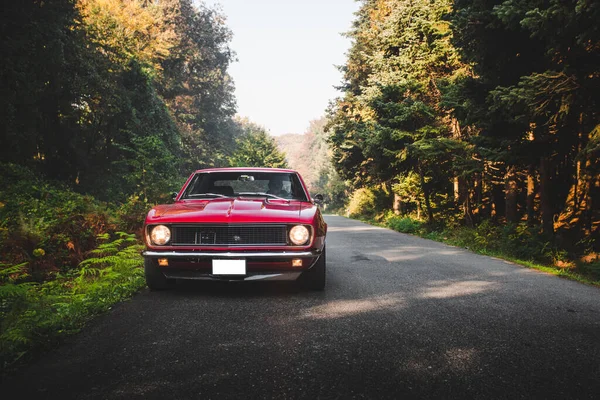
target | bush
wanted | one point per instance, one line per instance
(130, 215)
(362, 204)
(518, 242)
(404, 224)
(47, 226)
(591, 269)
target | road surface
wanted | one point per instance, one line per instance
(401, 317)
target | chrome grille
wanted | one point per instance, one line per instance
(228, 235)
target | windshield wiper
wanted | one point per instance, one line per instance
(207, 194)
(271, 196)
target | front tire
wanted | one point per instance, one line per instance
(315, 278)
(155, 279)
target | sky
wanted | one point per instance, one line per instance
(287, 51)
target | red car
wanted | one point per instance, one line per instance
(237, 224)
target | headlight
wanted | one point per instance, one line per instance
(299, 235)
(160, 235)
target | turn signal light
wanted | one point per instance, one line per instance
(163, 262)
(296, 262)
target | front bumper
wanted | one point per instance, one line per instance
(232, 255)
(261, 265)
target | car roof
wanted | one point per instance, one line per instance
(245, 169)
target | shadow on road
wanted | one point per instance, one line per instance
(401, 317)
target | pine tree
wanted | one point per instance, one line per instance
(255, 148)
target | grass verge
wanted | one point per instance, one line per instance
(519, 244)
(36, 316)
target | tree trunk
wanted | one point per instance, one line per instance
(498, 200)
(531, 183)
(397, 204)
(461, 197)
(577, 187)
(593, 196)
(457, 191)
(580, 184)
(425, 189)
(546, 197)
(467, 206)
(387, 188)
(511, 191)
(460, 185)
(476, 204)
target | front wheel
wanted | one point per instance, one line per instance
(315, 278)
(155, 279)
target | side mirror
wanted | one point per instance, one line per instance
(174, 195)
(318, 199)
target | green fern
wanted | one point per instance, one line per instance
(11, 291)
(6, 271)
(34, 315)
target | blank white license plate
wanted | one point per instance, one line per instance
(229, 267)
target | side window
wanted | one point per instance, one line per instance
(193, 187)
(296, 188)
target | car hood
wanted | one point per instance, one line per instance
(233, 210)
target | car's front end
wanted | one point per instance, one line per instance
(242, 236)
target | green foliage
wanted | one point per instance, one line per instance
(114, 98)
(404, 224)
(34, 316)
(196, 86)
(40, 77)
(474, 110)
(105, 98)
(517, 242)
(255, 148)
(12, 273)
(534, 62)
(333, 188)
(130, 215)
(408, 188)
(46, 225)
(590, 269)
(362, 203)
(514, 240)
(391, 122)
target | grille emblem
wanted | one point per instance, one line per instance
(237, 238)
(205, 238)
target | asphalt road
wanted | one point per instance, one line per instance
(401, 317)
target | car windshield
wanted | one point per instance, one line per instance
(276, 185)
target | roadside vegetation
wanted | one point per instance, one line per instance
(65, 258)
(520, 244)
(37, 314)
(106, 107)
(475, 122)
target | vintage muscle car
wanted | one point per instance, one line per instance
(237, 224)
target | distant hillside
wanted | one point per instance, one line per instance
(307, 153)
(294, 146)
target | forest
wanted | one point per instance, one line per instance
(475, 116)
(111, 103)
(106, 107)
(475, 122)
